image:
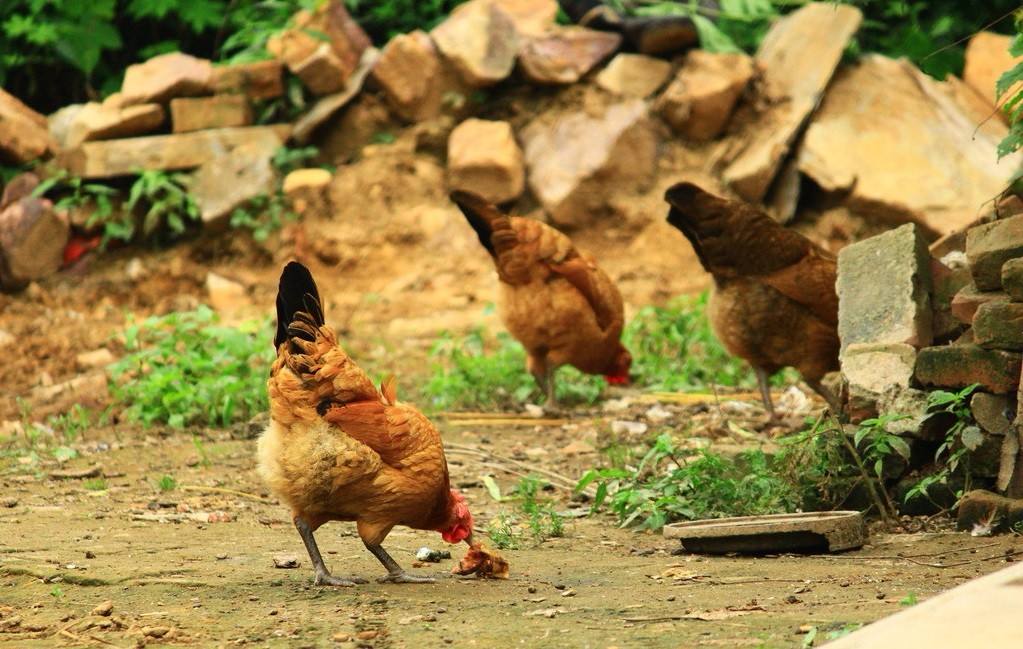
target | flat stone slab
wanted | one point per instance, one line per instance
(803, 532)
(980, 613)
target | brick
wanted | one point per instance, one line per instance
(258, 80)
(969, 299)
(110, 158)
(564, 54)
(219, 111)
(230, 180)
(634, 75)
(24, 135)
(957, 366)
(484, 158)
(480, 40)
(97, 121)
(1012, 278)
(884, 285)
(999, 325)
(872, 369)
(946, 283)
(989, 246)
(993, 412)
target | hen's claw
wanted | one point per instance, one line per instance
(331, 580)
(405, 578)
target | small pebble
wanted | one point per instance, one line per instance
(531, 589)
(285, 561)
(568, 593)
(341, 637)
(559, 586)
(367, 635)
(104, 608)
(89, 554)
(671, 598)
(441, 609)
(221, 556)
(272, 612)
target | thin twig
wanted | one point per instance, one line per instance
(223, 490)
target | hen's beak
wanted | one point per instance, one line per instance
(468, 540)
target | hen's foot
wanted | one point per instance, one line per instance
(331, 580)
(405, 578)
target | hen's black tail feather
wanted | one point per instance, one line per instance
(297, 297)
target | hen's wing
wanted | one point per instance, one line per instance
(735, 239)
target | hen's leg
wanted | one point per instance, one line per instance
(765, 390)
(323, 576)
(395, 574)
(552, 398)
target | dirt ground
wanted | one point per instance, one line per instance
(195, 566)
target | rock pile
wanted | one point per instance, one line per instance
(911, 323)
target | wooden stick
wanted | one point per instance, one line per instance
(222, 490)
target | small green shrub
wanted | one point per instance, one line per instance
(383, 19)
(536, 518)
(186, 368)
(668, 486)
(95, 484)
(962, 438)
(167, 483)
(166, 202)
(465, 375)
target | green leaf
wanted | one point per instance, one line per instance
(900, 446)
(1008, 79)
(713, 39)
(492, 488)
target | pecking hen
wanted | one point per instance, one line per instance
(339, 449)
(774, 302)
(554, 299)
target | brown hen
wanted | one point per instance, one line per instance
(553, 299)
(339, 449)
(774, 302)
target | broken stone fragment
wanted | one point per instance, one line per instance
(232, 179)
(1012, 278)
(485, 159)
(564, 55)
(993, 412)
(576, 161)
(32, 240)
(634, 75)
(218, 111)
(999, 325)
(256, 80)
(416, 81)
(95, 121)
(884, 285)
(969, 299)
(480, 40)
(989, 246)
(24, 133)
(699, 101)
(872, 369)
(947, 282)
(960, 365)
(164, 77)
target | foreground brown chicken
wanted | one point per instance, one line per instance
(774, 302)
(554, 299)
(338, 449)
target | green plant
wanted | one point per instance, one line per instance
(909, 600)
(544, 522)
(72, 423)
(880, 444)
(287, 159)
(64, 453)
(56, 592)
(185, 368)
(167, 204)
(1012, 105)
(502, 532)
(466, 376)
(674, 348)
(200, 448)
(95, 484)
(167, 483)
(383, 19)
(71, 193)
(668, 486)
(963, 437)
(263, 215)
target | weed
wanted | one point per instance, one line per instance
(167, 483)
(536, 517)
(465, 376)
(167, 203)
(383, 137)
(963, 437)
(64, 453)
(56, 592)
(71, 193)
(95, 484)
(880, 444)
(502, 532)
(185, 368)
(263, 215)
(816, 461)
(72, 423)
(287, 159)
(668, 486)
(909, 600)
(200, 448)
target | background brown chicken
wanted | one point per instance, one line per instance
(554, 299)
(774, 302)
(338, 449)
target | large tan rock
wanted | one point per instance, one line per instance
(164, 77)
(95, 121)
(256, 80)
(798, 64)
(218, 111)
(480, 40)
(230, 180)
(699, 101)
(416, 81)
(484, 158)
(325, 107)
(24, 133)
(987, 58)
(323, 65)
(32, 240)
(634, 75)
(878, 135)
(576, 162)
(531, 17)
(565, 54)
(110, 158)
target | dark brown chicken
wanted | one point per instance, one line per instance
(554, 299)
(774, 302)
